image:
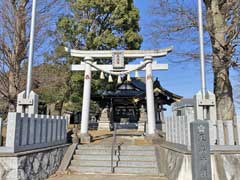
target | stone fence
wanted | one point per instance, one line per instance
(221, 133)
(29, 132)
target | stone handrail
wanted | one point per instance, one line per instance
(29, 132)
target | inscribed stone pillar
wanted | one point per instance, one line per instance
(150, 97)
(200, 146)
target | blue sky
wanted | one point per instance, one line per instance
(181, 78)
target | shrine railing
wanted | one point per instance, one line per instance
(221, 132)
(29, 132)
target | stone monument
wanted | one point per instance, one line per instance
(104, 121)
(142, 119)
(200, 145)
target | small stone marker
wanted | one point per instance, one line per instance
(201, 163)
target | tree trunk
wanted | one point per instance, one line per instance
(13, 89)
(222, 56)
(223, 92)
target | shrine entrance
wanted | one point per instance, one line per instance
(119, 68)
(128, 99)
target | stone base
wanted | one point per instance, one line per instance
(104, 125)
(141, 126)
(36, 164)
(85, 138)
(175, 162)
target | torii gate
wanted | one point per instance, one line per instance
(117, 68)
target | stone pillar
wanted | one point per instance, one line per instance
(172, 134)
(200, 146)
(142, 119)
(85, 138)
(220, 133)
(162, 119)
(229, 132)
(167, 129)
(185, 125)
(200, 103)
(212, 132)
(150, 97)
(104, 121)
(1, 123)
(207, 104)
(238, 129)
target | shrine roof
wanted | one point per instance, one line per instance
(137, 88)
(157, 88)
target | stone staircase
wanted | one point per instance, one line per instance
(128, 159)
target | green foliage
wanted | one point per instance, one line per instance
(96, 25)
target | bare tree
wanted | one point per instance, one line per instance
(177, 21)
(15, 16)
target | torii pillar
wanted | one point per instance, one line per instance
(84, 136)
(150, 97)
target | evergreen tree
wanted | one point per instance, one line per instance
(96, 25)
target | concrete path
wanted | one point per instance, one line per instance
(105, 177)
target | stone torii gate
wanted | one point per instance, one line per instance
(117, 68)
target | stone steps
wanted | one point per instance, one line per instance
(108, 157)
(108, 151)
(117, 170)
(115, 163)
(122, 147)
(90, 169)
(136, 170)
(103, 163)
(130, 159)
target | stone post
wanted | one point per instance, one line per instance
(150, 97)
(220, 133)
(238, 129)
(13, 130)
(1, 123)
(229, 132)
(85, 138)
